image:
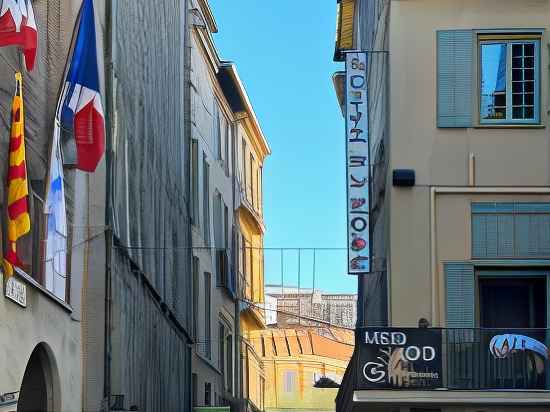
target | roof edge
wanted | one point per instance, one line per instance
(209, 15)
(232, 69)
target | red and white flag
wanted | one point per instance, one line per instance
(18, 28)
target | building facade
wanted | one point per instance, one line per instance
(338, 310)
(463, 247)
(212, 180)
(250, 151)
(140, 329)
(296, 360)
(40, 338)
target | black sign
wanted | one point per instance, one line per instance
(399, 358)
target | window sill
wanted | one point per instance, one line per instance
(32, 282)
(510, 126)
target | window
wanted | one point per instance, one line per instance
(206, 199)
(207, 394)
(221, 347)
(217, 131)
(289, 381)
(218, 224)
(229, 363)
(194, 389)
(226, 141)
(207, 314)
(260, 189)
(506, 80)
(251, 179)
(243, 165)
(225, 226)
(48, 268)
(195, 182)
(196, 289)
(509, 80)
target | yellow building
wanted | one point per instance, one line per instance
(294, 360)
(250, 150)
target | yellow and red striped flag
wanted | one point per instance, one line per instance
(19, 222)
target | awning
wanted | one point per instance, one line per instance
(344, 28)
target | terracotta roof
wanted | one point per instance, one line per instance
(330, 343)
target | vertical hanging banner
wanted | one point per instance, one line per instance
(358, 164)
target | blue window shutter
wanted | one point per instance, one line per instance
(479, 236)
(524, 241)
(492, 236)
(460, 285)
(455, 52)
(505, 235)
(544, 235)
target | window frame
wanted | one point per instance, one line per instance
(208, 314)
(206, 199)
(195, 183)
(510, 39)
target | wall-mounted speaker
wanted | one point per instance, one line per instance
(404, 177)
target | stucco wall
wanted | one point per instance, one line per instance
(42, 321)
(203, 99)
(440, 157)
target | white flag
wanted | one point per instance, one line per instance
(56, 216)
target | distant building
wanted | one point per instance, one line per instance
(307, 307)
(296, 359)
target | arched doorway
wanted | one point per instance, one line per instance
(39, 390)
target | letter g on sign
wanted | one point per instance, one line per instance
(374, 372)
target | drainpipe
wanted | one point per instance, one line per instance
(110, 125)
(187, 176)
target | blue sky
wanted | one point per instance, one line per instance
(283, 51)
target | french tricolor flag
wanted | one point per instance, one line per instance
(18, 28)
(81, 110)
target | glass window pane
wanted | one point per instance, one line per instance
(529, 87)
(517, 113)
(493, 81)
(517, 99)
(529, 62)
(517, 75)
(529, 113)
(529, 74)
(529, 50)
(529, 99)
(517, 50)
(517, 62)
(517, 87)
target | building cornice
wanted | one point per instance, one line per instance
(208, 15)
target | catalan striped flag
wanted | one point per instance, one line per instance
(19, 222)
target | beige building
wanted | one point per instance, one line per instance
(459, 97)
(213, 232)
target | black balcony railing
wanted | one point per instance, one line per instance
(491, 359)
(454, 359)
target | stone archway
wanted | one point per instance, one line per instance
(40, 387)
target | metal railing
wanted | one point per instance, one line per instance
(251, 200)
(490, 359)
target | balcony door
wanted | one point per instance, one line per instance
(512, 302)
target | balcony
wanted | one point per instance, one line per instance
(451, 366)
(225, 271)
(496, 359)
(248, 302)
(251, 204)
